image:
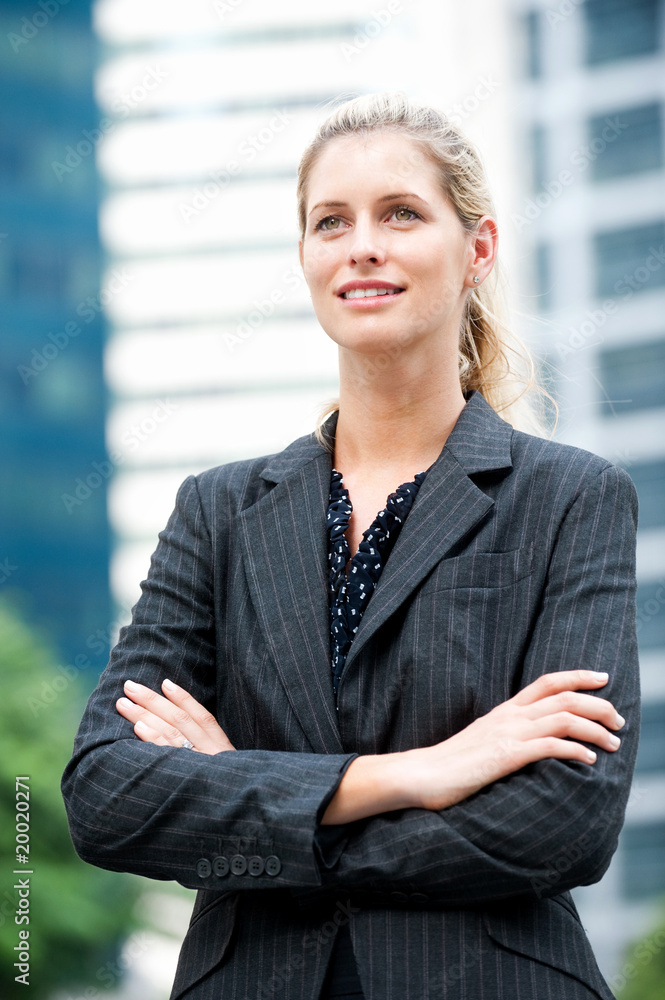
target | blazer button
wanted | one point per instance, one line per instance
(203, 868)
(238, 864)
(255, 865)
(220, 866)
(273, 865)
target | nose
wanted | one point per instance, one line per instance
(367, 245)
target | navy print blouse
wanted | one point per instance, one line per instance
(349, 596)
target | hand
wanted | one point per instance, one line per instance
(543, 720)
(169, 721)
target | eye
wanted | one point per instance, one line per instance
(322, 225)
(403, 210)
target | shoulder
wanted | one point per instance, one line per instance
(565, 472)
(231, 488)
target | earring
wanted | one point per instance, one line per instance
(476, 279)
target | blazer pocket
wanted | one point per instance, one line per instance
(549, 931)
(484, 570)
(207, 940)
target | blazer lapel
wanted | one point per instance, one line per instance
(285, 548)
(447, 507)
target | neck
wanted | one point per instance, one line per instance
(395, 418)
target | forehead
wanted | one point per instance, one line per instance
(373, 160)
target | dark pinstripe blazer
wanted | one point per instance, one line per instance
(517, 558)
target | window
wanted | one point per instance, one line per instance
(643, 857)
(619, 29)
(538, 158)
(651, 754)
(533, 43)
(649, 478)
(629, 260)
(651, 613)
(633, 378)
(626, 142)
(544, 276)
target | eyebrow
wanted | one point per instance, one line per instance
(386, 197)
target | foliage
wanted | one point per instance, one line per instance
(79, 915)
(642, 975)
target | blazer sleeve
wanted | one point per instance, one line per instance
(165, 812)
(554, 824)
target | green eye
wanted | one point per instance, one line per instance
(403, 211)
(329, 218)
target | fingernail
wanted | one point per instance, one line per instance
(591, 756)
(169, 685)
(125, 702)
(131, 685)
(614, 741)
(620, 721)
(140, 725)
(602, 676)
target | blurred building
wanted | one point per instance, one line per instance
(592, 221)
(54, 537)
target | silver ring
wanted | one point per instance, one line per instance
(188, 745)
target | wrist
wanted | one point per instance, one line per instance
(372, 784)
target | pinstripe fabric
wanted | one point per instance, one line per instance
(517, 558)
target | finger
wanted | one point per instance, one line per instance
(551, 746)
(585, 705)
(200, 715)
(159, 706)
(134, 713)
(561, 680)
(172, 714)
(573, 726)
(149, 735)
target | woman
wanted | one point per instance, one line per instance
(382, 774)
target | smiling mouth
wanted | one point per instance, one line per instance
(369, 293)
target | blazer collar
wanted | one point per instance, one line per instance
(285, 552)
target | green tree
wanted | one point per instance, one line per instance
(642, 975)
(79, 915)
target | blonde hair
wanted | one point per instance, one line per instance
(492, 359)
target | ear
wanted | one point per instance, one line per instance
(300, 254)
(484, 247)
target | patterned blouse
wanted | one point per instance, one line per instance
(349, 597)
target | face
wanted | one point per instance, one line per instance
(386, 259)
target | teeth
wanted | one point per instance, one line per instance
(364, 293)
